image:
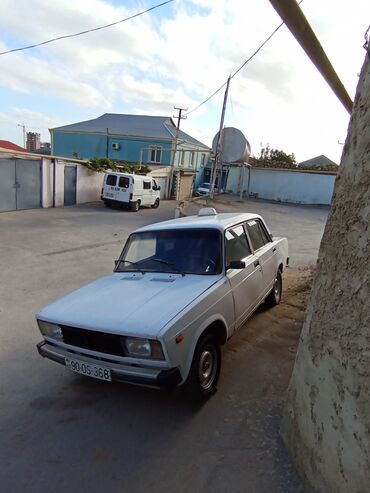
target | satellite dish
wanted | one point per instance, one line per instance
(235, 147)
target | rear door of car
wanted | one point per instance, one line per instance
(110, 186)
(123, 189)
(265, 251)
(246, 283)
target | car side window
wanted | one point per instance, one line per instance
(236, 244)
(257, 234)
(146, 185)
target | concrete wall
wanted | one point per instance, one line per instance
(326, 424)
(297, 187)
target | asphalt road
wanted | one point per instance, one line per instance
(64, 433)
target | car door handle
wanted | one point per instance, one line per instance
(256, 263)
(274, 249)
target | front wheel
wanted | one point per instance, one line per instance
(156, 204)
(205, 369)
(274, 297)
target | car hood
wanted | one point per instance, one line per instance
(128, 303)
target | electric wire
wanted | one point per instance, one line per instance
(86, 31)
(241, 66)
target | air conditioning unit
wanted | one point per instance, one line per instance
(115, 146)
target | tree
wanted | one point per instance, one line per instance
(273, 158)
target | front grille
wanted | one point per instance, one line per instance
(95, 341)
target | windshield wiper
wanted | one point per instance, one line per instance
(131, 263)
(162, 261)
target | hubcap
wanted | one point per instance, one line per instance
(207, 367)
(277, 288)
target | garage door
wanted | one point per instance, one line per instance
(186, 186)
(20, 184)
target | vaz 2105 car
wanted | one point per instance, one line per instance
(178, 292)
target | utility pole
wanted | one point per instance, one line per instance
(179, 118)
(23, 126)
(219, 141)
(295, 20)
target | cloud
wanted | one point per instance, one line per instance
(180, 55)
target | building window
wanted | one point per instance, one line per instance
(192, 156)
(202, 159)
(182, 158)
(155, 154)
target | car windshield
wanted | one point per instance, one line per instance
(185, 251)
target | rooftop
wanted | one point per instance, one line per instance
(6, 144)
(157, 127)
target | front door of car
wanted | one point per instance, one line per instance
(246, 283)
(265, 251)
(147, 192)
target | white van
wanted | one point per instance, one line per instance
(133, 191)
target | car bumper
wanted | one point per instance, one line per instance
(159, 378)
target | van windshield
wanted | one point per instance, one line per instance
(186, 251)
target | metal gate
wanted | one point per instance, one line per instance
(20, 184)
(70, 179)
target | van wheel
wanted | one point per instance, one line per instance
(274, 296)
(107, 203)
(205, 369)
(156, 204)
(135, 206)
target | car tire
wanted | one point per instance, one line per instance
(274, 296)
(135, 206)
(156, 204)
(205, 369)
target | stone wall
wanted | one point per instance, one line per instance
(326, 423)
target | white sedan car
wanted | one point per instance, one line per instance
(178, 292)
(205, 188)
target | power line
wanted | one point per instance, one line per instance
(241, 66)
(87, 31)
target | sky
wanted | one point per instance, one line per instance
(178, 55)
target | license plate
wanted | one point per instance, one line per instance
(107, 194)
(89, 370)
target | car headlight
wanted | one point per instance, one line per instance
(48, 329)
(143, 348)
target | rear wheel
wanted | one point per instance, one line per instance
(274, 297)
(135, 206)
(107, 203)
(156, 204)
(205, 369)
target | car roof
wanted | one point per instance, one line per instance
(220, 221)
(118, 173)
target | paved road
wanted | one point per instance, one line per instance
(63, 433)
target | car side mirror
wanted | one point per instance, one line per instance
(158, 187)
(115, 263)
(237, 264)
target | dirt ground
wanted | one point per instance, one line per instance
(60, 430)
(262, 354)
